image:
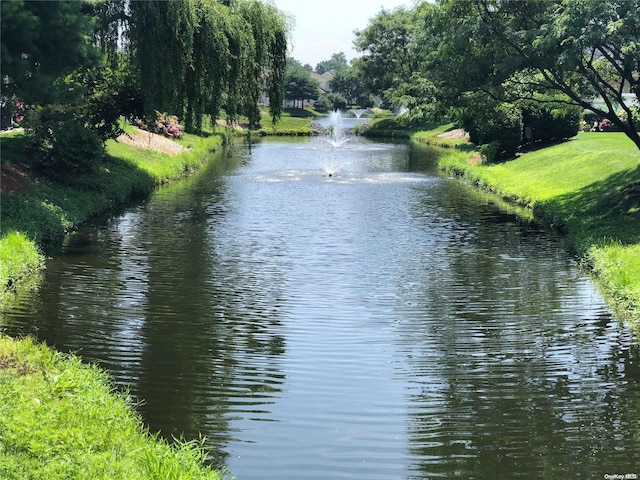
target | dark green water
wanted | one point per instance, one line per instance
(382, 323)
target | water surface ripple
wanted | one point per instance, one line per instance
(382, 323)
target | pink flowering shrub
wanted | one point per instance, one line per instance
(164, 124)
(605, 125)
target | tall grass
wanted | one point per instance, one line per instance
(19, 259)
(61, 419)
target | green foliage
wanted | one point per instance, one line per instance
(299, 85)
(617, 267)
(337, 63)
(401, 126)
(391, 54)
(338, 102)
(62, 419)
(42, 41)
(491, 122)
(322, 104)
(584, 53)
(19, 257)
(63, 144)
(41, 219)
(213, 57)
(350, 84)
(268, 34)
(490, 151)
(162, 40)
(111, 93)
(551, 121)
(583, 50)
(113, 58)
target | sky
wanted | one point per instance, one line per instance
(325, 27)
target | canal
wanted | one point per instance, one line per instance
(347, 313)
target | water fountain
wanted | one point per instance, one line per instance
(358, 112)
(337, 136)
(330, 168)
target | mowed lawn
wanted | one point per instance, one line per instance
(588, 188)
(547, 173)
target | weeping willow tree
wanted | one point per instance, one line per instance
(111, 25)
(207, 74)
(162, 41)
(269, 42)
(206, 57)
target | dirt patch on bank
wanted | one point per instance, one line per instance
(152, 141)
(13, 178)
(455, 134)
(461, 134)
(236, 125)
(8, 363)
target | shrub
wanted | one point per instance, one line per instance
(551, 121)
(163, 124)
(338, 102)
(322, 104)
(490, 151)
(62, 143)
(489, 121)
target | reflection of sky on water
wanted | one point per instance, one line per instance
(381, 323)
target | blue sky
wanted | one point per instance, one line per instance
(325, 27)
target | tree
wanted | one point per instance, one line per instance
(350, 85)
(213, 56)
(41, 42)
(337, 101)
(495, 125)
(390, 53)
(589, 51)
(299, 85)
(337, 63)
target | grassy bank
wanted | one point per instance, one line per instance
(293, 122)
(588, 189)
(60, 419)
(403, 128)
(37, 211)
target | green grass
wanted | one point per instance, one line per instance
(401, 127)
(61, 419)
(162, 168)
(293, 122)
(588, 189)
(618, 269)
(19, 259)
(46, 210)
(564, 168)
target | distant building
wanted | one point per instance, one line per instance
(324, 80)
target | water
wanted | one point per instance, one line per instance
(339, 128)
(381, 323)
